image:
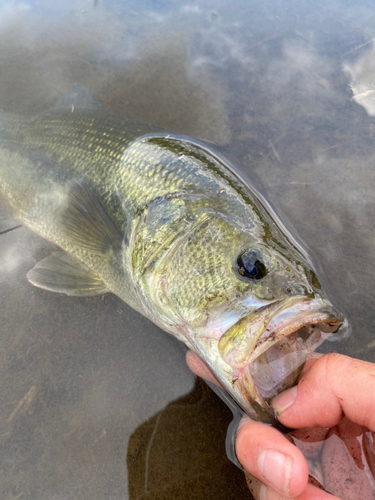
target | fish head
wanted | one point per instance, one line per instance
(246, 300)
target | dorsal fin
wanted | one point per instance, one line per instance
(78, 97)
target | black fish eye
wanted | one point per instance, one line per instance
(251, 265)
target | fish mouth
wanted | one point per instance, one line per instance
(268, 349)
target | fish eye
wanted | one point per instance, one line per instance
(251, 265)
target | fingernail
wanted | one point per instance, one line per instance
(284, 400)
(276, 469)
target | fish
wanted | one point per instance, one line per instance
(168, 225)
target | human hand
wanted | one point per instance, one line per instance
(330, 387)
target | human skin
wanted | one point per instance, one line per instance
(331, 387)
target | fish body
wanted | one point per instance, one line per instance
(166, 225)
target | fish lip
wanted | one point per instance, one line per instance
(321, 312)
(289, 317)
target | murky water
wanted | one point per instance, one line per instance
(96, 402)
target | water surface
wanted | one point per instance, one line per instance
(96, 401)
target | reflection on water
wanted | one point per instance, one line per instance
(266, 82)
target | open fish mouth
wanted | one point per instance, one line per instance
(268, 349)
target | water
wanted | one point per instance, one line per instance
(96, 402)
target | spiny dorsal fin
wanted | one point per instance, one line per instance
(63, 274)
(78, 97)
(85, 222)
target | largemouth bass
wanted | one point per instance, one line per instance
(164, 223)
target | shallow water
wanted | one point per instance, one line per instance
(286, 91)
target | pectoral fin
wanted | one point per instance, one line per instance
(85, 222)
(63, 274)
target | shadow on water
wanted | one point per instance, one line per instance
(179, 452)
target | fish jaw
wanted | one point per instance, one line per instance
(264, 352)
